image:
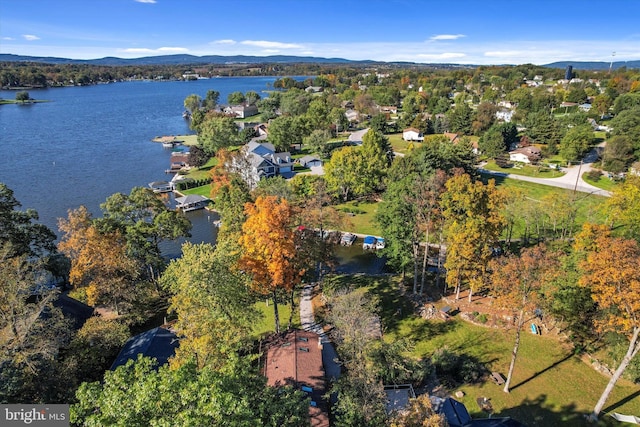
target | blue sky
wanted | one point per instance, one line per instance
(428, 31)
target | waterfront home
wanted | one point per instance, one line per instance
(264, 162)
(295, 359)
(242, 111)
(191, 202)
(178, 161)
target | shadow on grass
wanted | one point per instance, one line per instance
(536, 412)
(537, 374)
(621, 402)
(418, 330)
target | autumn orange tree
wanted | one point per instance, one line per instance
(99, 261)
(268, 248)
(611, 272)
(474, 221)
(516, 282)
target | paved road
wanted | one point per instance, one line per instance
(329, 355)
(572, 179)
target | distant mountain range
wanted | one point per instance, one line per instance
(243, 59)
(179, 59)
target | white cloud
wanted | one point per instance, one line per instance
(30, 37)
(447, 37)
(445, 55)
(271, 45)
(224, 41)
(8, 38)
(270, 51)
(146, 1)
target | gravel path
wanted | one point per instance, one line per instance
(330, 359)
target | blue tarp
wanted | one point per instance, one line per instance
(369, 240)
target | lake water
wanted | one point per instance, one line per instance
(92, 141)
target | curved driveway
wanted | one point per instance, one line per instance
(572, 179)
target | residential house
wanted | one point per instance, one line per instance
(528, 154)
(310, 161)
(159, 343)
(263, 162)
(242, 111)
(412, 134)
(72, 309)
(313, 89)
(352, 115)
(585, 107)
(347, 105)
(453, 137)
(178, 161)
(391, 109)
(505, 114)
(295, 359)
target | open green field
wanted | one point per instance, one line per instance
(550, 387)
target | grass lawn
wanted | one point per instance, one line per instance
(525, 170)
(203, 190)
(604, 182)
(550, 385)
(266, 324)
(203, 171)
(361, 214)
(588, 205)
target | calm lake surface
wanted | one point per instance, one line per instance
(92, 141)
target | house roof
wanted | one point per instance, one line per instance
(191, 198)
(159, 343)
(260, 148)
(308, 158)
(73, 309)
(411, 130)
(295, 358)
(453, 137)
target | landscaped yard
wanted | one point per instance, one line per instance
(525, 170)
(203, 190)
(550, 386)
(361, 215)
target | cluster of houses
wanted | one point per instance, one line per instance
(295, 358)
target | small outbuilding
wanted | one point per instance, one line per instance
(412, 134)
